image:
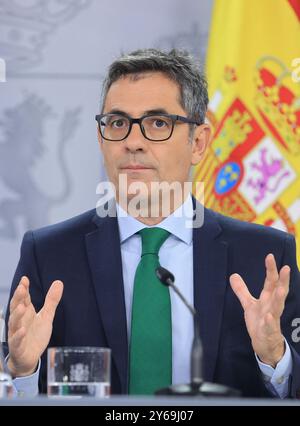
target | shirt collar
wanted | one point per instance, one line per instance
(175, 223)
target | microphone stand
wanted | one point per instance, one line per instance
(197, 386)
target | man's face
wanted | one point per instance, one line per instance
(142, 160)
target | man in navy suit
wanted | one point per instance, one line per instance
(75, 281)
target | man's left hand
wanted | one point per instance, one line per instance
(262, 315)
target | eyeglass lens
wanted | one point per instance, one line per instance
(154, 127)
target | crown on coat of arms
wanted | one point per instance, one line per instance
(25, 26)
(278, 104)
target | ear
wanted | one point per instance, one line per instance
(201, 140)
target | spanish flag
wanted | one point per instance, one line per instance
(252, 168)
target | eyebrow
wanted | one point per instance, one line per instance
(150, 111)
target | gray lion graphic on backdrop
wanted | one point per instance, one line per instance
(23, 129)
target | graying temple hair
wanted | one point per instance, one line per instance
(178, 65)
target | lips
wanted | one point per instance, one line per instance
(135, 167)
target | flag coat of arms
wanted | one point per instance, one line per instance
(252, 168)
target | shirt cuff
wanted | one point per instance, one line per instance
(278, 378)
(27, 387)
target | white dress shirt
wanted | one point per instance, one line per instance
(176, 255)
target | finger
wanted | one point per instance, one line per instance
(27, 300)
(271, 272)
(15, 319)
(20, 294)
(284, 276)
(26, 284)
(52, 300)
(240, 289)
(22, 316)
(281, 292)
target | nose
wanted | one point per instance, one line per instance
(135, 141)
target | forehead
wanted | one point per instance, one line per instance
(138, 93)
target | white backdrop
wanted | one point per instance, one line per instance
(56, 52)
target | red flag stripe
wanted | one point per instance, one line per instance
(295, 4)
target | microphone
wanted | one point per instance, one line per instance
(167, 278)
(197, 386)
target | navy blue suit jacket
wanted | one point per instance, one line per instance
(84, 252)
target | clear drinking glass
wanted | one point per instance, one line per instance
(79, 372)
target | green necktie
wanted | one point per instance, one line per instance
(150, 355)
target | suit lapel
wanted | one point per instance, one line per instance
(104, 254)
(210, 281)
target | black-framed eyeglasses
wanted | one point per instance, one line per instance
(154, 127)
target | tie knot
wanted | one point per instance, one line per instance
(153, 239)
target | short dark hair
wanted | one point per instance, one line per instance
(178, 65)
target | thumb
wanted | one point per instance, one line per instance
(52, 299)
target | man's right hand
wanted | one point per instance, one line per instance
(29, 332)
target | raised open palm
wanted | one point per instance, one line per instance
(262, 316)
(29, 332)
